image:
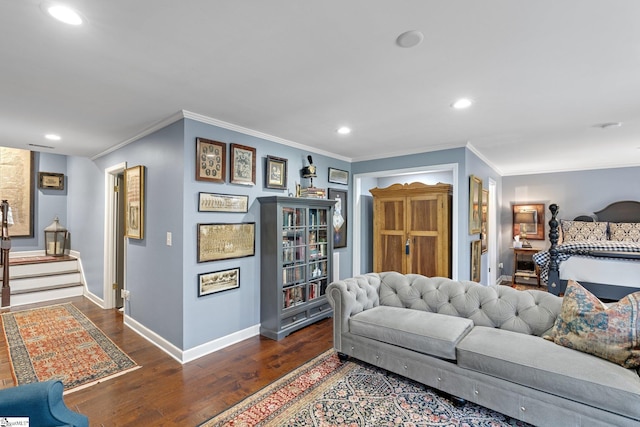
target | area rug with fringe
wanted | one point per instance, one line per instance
(328, 392)
(59, 342)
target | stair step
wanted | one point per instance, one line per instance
(33, 283)
(43, 288)
(46, 295)
(17, 271)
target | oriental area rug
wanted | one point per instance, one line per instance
(58, 342)
(328, 392)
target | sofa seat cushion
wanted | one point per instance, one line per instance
(429, 333)
(540, 364)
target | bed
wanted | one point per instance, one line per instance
(600, 251)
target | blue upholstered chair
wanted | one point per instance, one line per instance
(42, 402)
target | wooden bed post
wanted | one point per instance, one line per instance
(553, 282)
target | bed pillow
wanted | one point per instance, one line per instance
(576, 231)
(624, 231)
(586, 324)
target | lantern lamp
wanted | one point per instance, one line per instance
(55, 238)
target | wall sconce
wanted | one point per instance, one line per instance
(55, 238)
(528, 224)
(309, 171)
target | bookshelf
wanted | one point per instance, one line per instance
(296, 246)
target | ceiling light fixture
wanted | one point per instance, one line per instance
(64, 14)
(53, 137)
(462, 103)
(410, 39)
(344, 130)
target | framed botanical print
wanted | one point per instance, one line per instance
(276, 173)
(475, 204)
(210, 160)
(134, 202)
(243, 165)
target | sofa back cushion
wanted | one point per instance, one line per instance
(530, 312)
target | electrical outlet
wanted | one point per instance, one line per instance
(126, 294)
(501, 265)
(168, 238)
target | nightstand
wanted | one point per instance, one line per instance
(523, 265)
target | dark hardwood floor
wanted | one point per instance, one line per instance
(166, 393)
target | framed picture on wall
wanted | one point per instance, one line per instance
(218, 281)
(226, 241)
(134, 202)
(210, 160)
(243, 165)
(476, 261)
(276, 173)
(339, 220)
(484, 232)
(475, 204)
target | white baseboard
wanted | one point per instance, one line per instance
(184, 356)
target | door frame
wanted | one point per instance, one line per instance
(492, 242)
(358, 213)
(110, 234)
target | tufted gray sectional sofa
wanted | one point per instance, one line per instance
(482, 344)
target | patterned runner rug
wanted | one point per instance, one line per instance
(59, 342)
(327, 392)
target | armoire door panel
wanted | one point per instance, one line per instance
(423, 215)
(393, 248)
(423, 258)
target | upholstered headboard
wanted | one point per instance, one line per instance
(626, 211)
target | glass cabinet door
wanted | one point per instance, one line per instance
(318, 250)
(294, 256)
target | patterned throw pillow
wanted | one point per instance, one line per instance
(586, 324)
(625, 231)
(573, 231)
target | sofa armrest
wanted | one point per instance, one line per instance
(349, 297)
(42, 402)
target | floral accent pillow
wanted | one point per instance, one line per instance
(624, 231)
(586, 324)
(579, 231)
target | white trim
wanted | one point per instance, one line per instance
(482, 157)
(357, 184)
(195, 352)
(184, 114)
(220, 343)
(148, 131)
(417, 150)
(110, 174)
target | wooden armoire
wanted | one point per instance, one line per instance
(412, 229)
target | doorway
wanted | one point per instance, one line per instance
(114, 247)
(359, 265)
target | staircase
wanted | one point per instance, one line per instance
(37, 278)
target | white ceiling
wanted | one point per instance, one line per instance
(542, 74)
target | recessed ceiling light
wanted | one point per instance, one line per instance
(410, 39)
(462, 103)
(53, 137)
(344, 130)
(64, 14)
(608, 125)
